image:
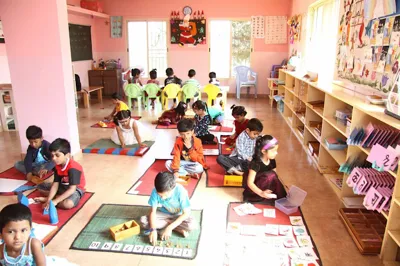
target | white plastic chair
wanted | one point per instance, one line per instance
(245, 77)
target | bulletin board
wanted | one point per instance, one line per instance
(368, 44)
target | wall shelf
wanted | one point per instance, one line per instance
(335, 97)
(83, 11)
(8, 121)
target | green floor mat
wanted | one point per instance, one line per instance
(95, 236)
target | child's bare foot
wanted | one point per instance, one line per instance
(237, 172)
(40, 199)
(182, 232)
(195, 176)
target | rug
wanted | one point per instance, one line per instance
(107, 146)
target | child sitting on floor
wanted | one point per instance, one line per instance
(237, 163)
(37, 160)
(128, 131)
(239, 113)
(173, 116)
(202, 121)
(262, 183)
(20, 246)
(119, 106)
(69, 181)
(170, 209)
(188, 152)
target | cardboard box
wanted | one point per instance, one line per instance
(124, 230)
(233, 180)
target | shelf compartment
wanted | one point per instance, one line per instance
(332, 181)
(79, 10)
(338, 155)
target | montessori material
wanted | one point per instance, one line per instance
(12, 179)
(279, 238)
(292, 202)
(63, 215)
(106, 146)
(366, 228)
(124, 230)
(95, 235)
(172, 126)
(145, 184)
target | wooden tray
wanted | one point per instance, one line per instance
(366, 228)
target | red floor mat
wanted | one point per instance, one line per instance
(13, 173)
(173, 126)
(145, 184)
(63, 215)
(111, 124)
(225, 149)
(222, 129)
(259, 219)
(215, 173)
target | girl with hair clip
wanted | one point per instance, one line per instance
(239, 113)
(128, 130)
(262, 183)
(172, 116)
(202, 120)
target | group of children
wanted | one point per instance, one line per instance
(253, 157)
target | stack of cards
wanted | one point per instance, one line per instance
(374, 134)
(246, 208)
(376, 186)
(384, 158)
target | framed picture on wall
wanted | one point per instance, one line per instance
(1, 33)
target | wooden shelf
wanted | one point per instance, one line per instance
(335, 188)
(395, 236)
(311, 130)
(337, 125)
(397, 201)
(317, 110)
(289, 105)
(83, 11)
(338, 155)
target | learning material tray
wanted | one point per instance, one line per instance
(366, 228)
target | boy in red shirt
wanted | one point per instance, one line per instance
(188, 152)
(69, 181)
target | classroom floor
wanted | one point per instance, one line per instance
(111, 176)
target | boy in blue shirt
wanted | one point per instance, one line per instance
(170, 209)
(37, 160)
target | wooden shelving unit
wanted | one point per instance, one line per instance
(8, 114)
(299, 93)
(391, 241)
(83, 11)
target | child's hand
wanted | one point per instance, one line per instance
(166, 234)
(29, 176)
(123, 145)
(153, 237)
(142, 145)
(46, 205)
(266, 194)
(42, 173)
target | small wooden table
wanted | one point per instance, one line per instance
(86, 94)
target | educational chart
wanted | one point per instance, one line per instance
(275, 29)
(368, 45)
(96, 235)
(116, 26)
(257, 27)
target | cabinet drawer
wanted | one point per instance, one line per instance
(96, 73)
(95, 81)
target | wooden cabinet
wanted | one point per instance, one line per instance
(109, 79)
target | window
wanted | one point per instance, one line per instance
(230, 46)
(321, 39)
(147, 45)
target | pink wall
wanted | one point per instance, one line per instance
(41, 69)
(181, 59)
(300, 7)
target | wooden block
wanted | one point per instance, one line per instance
(124, 230)
(233, 180)
(183, 180)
